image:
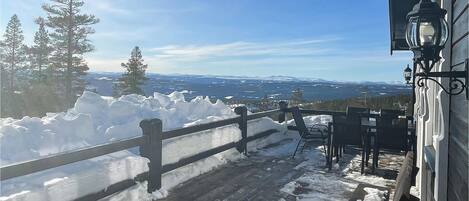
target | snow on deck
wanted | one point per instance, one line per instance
(271, 174)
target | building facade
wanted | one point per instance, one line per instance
(441, 120)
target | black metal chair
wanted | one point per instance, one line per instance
(347, 131)
(308, 135)
(392, 133)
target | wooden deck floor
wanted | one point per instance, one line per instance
(258, 177)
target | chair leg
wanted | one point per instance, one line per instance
(296, 149)
(341, 149)
(375, 156)
(364, 148)
(362, 168)
(303, 147)
(367, 159)
(368, 150)
(325, 148)
(329, 149)
(329, 156)
(336, 149)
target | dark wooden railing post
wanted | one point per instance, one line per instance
(283, 105)
(152, 150)
(329, 145)
(242, 111)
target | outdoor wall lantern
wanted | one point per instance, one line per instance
(426, 35)
(408, 75)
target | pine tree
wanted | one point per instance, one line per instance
(70, 41)
(3, 80)
(3, 69)
(13, 53)
(134, 77)
(40, 52)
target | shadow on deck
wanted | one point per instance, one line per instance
(271, 174)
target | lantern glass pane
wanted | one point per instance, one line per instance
(407, 75)
(427, 33)
(444, 32)
(411, 32)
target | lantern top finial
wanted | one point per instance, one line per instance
(426, 8)
(408, 69)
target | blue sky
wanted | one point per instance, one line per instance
(328, 39)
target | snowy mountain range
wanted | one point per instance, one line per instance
(245, 87)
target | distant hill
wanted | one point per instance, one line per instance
(250, 88)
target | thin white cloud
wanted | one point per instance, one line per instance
(238, 49)
(315, 58)
(107, 6)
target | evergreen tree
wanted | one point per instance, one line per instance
(40, 52)
(3, 80)
(13, 53)
(70, 41)
(3, 68)
(134, 77)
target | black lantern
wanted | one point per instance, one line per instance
(407, 74)
(426, 35)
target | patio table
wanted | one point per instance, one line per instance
(370, 127)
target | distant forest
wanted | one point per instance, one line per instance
(395, 102)
(398, 102)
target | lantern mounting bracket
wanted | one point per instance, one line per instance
(456, 85)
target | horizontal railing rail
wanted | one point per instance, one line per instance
(264, 114)
(198, 128)
(322, 112)
(56, 160)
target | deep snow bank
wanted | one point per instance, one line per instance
(95, 120)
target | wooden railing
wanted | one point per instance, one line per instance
(150, 144)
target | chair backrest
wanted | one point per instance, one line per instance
(339, 129)
(354, 116)
(358, 111)
(391, 113)
(300, 123)
(392, 130)
(347, 130)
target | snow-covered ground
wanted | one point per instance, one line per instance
(94, 120)
(318, 183)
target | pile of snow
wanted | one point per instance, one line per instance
(314, 120)
(374, 194)
(95, 120)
